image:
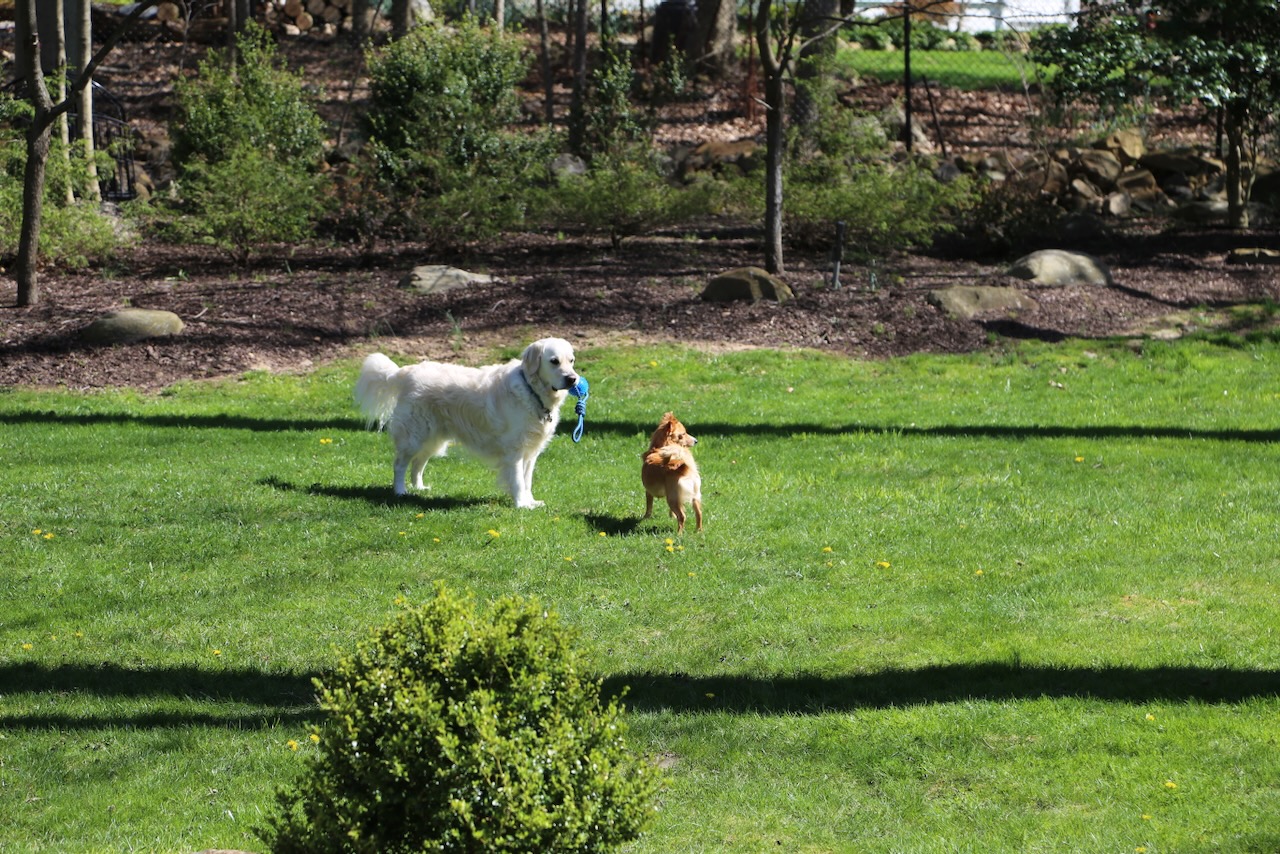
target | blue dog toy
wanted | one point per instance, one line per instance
(579, 391)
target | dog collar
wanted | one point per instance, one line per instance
(546, 413)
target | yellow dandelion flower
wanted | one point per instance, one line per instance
(671, 549)
(693, 575)
(420, 515)
(494, 533)
(77, 635)
(653, 364)
(315, 738)
(1169, 784)
(669, 541)
(883, 564)
(402, 533)
(326, 441)
(1079, 459)
(435, 539)
(291, 744)
(977, 572)
(1150, 716)
(49, 535)
(1146, 817)
(568, 558)
(604, 534)
(1141, 849)
(827, 549)
(37, 532)
(27, 647)
(53, 637)
(217, 652)
(710, 696)
(830, 563)
(679, 548)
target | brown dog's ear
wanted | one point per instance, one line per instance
(531, 359)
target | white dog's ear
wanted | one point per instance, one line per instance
(531, 359)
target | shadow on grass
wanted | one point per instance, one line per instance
(710, 428)
(186, 422)
(971, 431)
(379, 496)
(803, 694)
(156, 697)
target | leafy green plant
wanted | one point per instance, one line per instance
(73, 234)
(623, 196)
(442, 163)
(248, 145)
(255, 102)
(244, 200)
(456, 732)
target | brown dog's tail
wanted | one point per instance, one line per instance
(671, 457)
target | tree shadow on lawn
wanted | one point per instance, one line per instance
(810, 694)
(290, 698)
(379, 496)
(632, 429)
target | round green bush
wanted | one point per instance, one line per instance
(448, 730)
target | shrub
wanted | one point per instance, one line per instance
(248, 145)
(442, 163)
(453, 732)
(255, 103)
(625, 195)
(244, 200)
(72, 234)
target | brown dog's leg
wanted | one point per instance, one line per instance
(677, 510)
(697, 513)
(648, 506)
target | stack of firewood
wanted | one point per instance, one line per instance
(289, 16)
(306, 15)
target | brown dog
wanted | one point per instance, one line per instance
(669, 471)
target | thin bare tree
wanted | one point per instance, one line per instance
(39, 135)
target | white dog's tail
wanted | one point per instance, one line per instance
(376, 391)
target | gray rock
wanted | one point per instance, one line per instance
(968, 301)
(440, 278)
(1059, 267)
(746, 283)
(132, 324)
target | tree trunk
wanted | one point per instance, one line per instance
(774, 66)
(39, 135)
(718, 31)
(63, 71)
(360, 22)
(577, 132)
(1237, 201)
(499, 15)
(400, 14)
(548, 75)
(86, 98)
(38, 139)
(816, 16)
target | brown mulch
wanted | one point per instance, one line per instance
(290, 313)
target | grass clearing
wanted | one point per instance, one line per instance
(1021, 599)
(983, 69)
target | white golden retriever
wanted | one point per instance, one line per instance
(505, 414)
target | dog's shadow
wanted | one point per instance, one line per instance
(619, 526)
(378, 496)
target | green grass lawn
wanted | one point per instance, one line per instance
(983, 69)
(1016, 601)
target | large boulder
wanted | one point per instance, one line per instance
(1058, 267)
(440, 278)
(746, 283)
(968, 301)
(128, 325)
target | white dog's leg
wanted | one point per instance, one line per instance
(419, 461)
(517, 478)
(401, 466)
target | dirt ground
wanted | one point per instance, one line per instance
(294, 310)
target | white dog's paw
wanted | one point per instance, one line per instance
(530, 504)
